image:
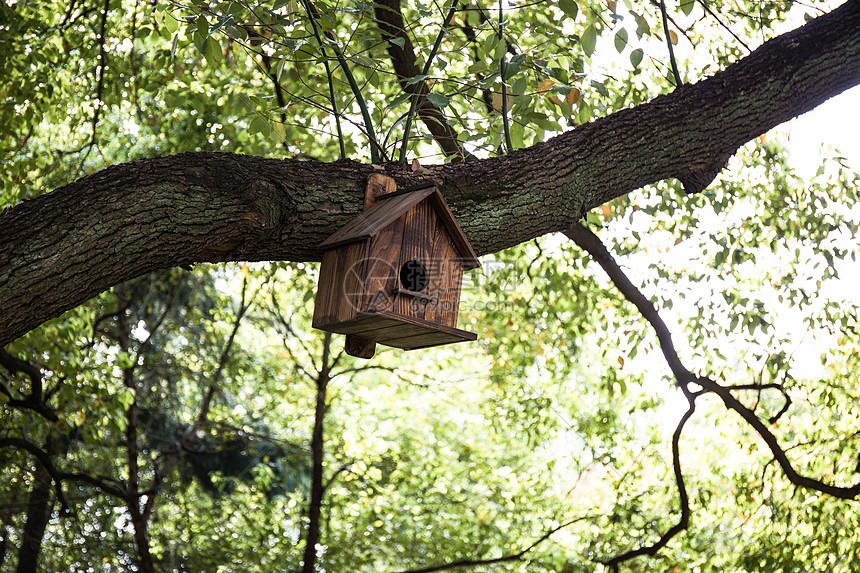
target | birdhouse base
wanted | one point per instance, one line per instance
(393, 329)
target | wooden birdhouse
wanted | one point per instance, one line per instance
(392, 275)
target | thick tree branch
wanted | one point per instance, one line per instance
(61, 248)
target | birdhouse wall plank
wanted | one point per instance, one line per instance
(446, 276)
(418, 230)
(341, 284)
(384, 266)
(466, 253)
(323, 313)
(353, 261)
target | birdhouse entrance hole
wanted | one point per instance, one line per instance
(413, 276)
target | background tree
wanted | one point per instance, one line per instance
(188, 419)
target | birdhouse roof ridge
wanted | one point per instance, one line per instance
(388, 208)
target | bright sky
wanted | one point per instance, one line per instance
(836, 123)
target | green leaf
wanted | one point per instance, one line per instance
(686, 6)
(642, 27)
(171, 23)
(636, 57)
(125, 397)
(519, 86)
(398, 100)
(258, 124)
(510, 69)
(438, 100)
(621, 40)
(213, 51)
(224, 20)
(399, 42)
(415, 79)
(173, 47)
(569, 7)
(517, 134)
(202, 25)
(589, 40)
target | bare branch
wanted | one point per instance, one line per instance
(678, 81)
(35, 400)
(684, 521)
(510, 557)
(772, 442)
(707, 9)
(102, 65)
(58, 476)
(590, 243)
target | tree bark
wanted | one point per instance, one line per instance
(63, 247)
(40, 507)
(318, 457)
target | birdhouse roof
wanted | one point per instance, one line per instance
(388, 208)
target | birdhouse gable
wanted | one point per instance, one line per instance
(389, 208)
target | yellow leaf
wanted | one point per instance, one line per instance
(612, 6)
(280, 132)
(497, 101)
(621, 361)
(673, 37)
(555, 100)
(573, 96)
(545, 86)
(607, 211)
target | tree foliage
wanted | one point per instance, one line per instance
(693, 400)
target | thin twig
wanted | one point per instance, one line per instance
(427, 63)
(376, 152)
(102, 65)
(678, 81)
(684, 499)
(503, 73)
(330, 88)
(705, 7)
